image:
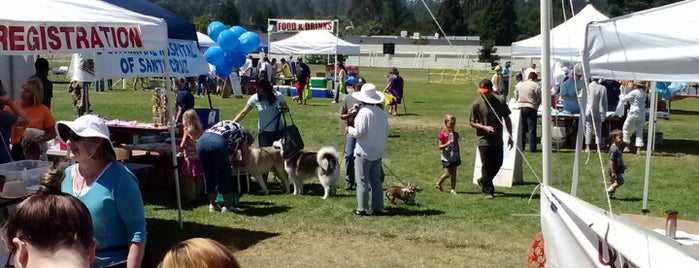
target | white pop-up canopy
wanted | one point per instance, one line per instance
(567, 39)
(205, 42)
(71, 26)
(658, 44)
(313, 42)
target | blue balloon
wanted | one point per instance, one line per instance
(214, 55)
(235, 59)
(214, 29)
(237, 30)
(249, 42)
(228, 41)
(223, 70)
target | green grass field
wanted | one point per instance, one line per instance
(442, 230)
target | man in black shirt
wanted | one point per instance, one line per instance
(42, 71)
(303, 75)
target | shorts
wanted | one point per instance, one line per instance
(446, 164)
(619, 179)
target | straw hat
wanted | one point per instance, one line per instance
(13, 189)
(638, 83)
(368, 94)
(85, 126)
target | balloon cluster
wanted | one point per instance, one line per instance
(233, 45)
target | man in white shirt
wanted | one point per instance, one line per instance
(245, 73)
(532, 68)
(595, 113)
(371, 131)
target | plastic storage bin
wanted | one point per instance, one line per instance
(29, 171)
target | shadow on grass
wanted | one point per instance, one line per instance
(680, 146)
(402, 210)
(629, 199)
(408, 114)
(163, 234)
(517, 195)
(683, 112)
(168, 202)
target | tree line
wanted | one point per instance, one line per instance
(496, 22)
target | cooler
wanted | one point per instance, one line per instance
(319, 82)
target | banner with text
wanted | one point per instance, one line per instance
(304, 25)
(183, 56)
(578, 234)
(66, 38)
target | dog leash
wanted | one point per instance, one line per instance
(393, 174)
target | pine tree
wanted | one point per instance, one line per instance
(450, 15)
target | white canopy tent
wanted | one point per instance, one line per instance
(567, 39)
(313, 42)
(650, 45)
(32, 27)
(654, 45)
(205, 42)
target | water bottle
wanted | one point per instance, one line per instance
(451, 138)
(670, 223)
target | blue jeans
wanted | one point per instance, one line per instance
(350, 143)
(528, 132)
(368, 174)
(212, 150)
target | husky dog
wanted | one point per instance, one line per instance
(264, 160)
(300, 165)
(407, 194)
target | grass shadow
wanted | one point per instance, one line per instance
(408, 114)
(683, 112)
(410, 211)
(629, 199)
(516, 195)
(680, 146)
(161, 238)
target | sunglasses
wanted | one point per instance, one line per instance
(74, 137)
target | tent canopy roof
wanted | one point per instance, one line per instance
(657, 44)
(177, 28)
(313, 42)
(567, 39)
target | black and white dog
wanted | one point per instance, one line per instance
(300, 165)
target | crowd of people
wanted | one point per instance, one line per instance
(101, 201)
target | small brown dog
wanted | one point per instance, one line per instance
(407, 194)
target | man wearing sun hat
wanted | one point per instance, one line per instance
(370, 130)
(636, 116)
(488, 111)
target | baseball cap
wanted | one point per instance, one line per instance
(485, 86)
(360, 82)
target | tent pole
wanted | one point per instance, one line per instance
(545, 93)
(650, 144)
(173, 141)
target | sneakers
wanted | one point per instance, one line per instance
(610, 193)
(488, 196)
(439, 188)
(213, 208)
(452, 191)
(231, 209)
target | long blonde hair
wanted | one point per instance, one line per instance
(199, 252)
(191, 123)
(37, 89)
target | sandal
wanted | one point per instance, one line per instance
(439, 187)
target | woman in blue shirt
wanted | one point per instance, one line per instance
(108, 189)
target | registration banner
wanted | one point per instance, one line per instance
(578, 234)
(184, 59)
(65, 38)
(304, 25)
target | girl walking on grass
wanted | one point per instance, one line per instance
(191, 169)
(449, 144)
